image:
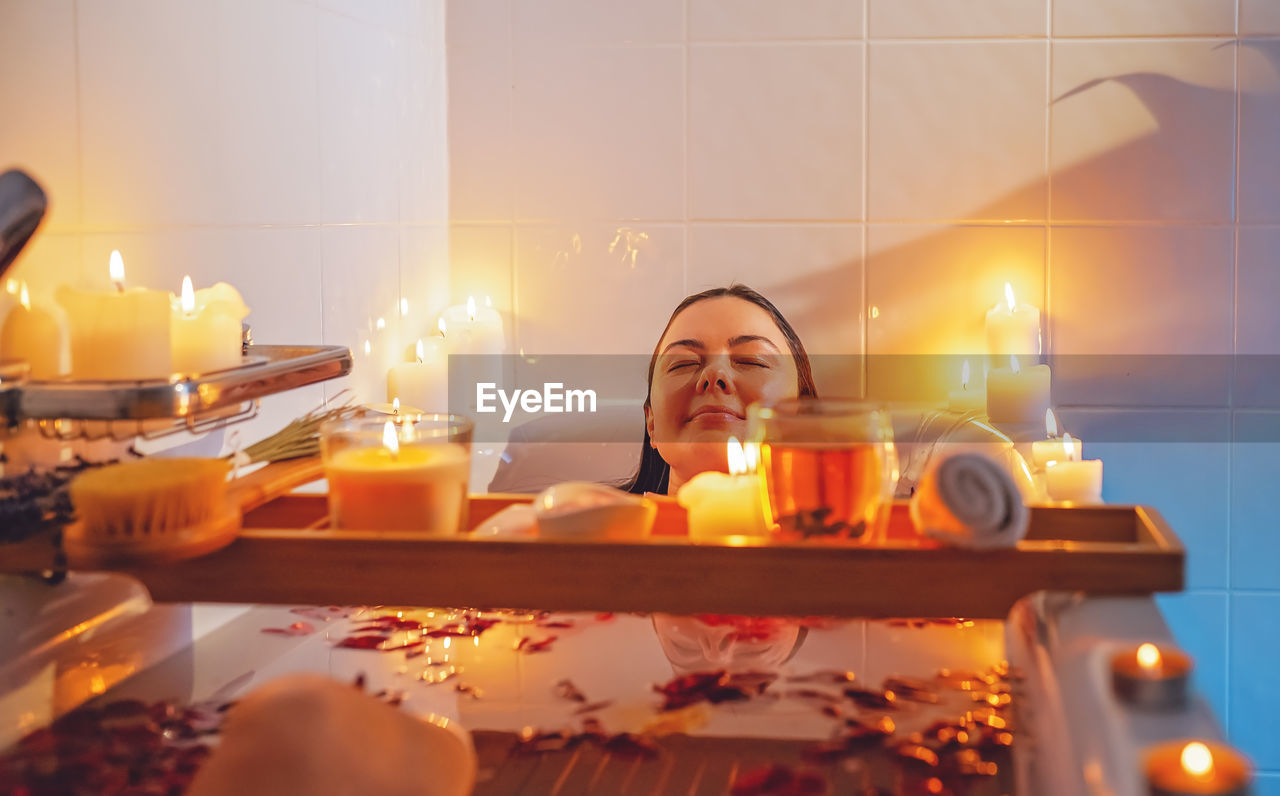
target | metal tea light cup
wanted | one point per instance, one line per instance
(402, 474)
(828, 467)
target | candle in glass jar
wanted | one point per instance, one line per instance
(206, 328)
(1196, 768)
(1016, 394)
(32, 334)
(118, 335)
(399, 486)
(720, 504)
(1151, 678)
(1013, 328)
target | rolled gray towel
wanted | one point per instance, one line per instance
(968, 500)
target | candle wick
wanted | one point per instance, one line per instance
(119, 287)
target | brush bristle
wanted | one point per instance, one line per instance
(149, 497)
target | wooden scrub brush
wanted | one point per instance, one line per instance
(157, 510)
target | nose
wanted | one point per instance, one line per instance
(715, 376)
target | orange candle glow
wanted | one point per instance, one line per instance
(1182, 768)
(400, 485)
(1151, 678)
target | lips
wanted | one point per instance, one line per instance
(721, 411)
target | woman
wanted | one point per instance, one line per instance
(722, 350)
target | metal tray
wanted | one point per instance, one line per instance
(267, 369)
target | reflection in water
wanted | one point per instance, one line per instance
(710, 642)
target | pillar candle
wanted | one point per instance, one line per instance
(1016, 394)
(474, 330)
(1054, 448)
(1013, 328)
(721, 504)
(33, 335)
(424, 382)
(120, 334)
(205, 328)
(967, 398)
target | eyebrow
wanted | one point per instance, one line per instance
(734, 342)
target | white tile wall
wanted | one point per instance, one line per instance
(1166, 151)
(956, 131)
(802, 105)
(764, 20)
(222, 140)
(880, 168)
(1144, 17)
(944, 19)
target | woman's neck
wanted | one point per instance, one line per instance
(674, 482)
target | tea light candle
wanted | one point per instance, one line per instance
(964, 399)
(424, 382)
(474, 329)
(33, 335)
(1013, 328)
(722, 504)
(1196, 768)
(1073, 480)
(1016, 394)
(1053, 448)
(120, 335)
(205, 328)
(399, 487)
(1152, 678)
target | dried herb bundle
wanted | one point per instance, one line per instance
(300, 438)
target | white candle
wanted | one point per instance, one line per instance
(33, 335)
(118, 335)
(205, 328)
(1055, 448)
(474, 329)
(1013, 328)
(1016, 394)
(1073, 480)
(424, 382)
(722, 505)
(966, 399)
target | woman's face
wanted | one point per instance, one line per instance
(718, 356)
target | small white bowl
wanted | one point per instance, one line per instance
(585, 510)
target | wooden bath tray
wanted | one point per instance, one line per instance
(277, 559)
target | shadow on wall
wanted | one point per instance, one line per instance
(936, 286)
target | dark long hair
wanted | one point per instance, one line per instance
(654, 474)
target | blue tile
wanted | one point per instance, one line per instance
(1199, 623)
(1255, 690)
(1255, 524)
(1267, 785)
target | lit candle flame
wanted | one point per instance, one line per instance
(404, 306)
(395, 406)
(188, 296)
(389, 440)
(1013, 363)
(440, 325)
(1197, 760)
(964, 375)
(488, 301)
(24, 298)
(737, 457)
(115, 267)
(420, 351)
(471, 308)
(368, 348)
(381, 323)
(1050, 424)
(1008, 296)
(1070, 447)
(1149, 657)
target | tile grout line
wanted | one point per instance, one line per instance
(684, 154)
(864, 308)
